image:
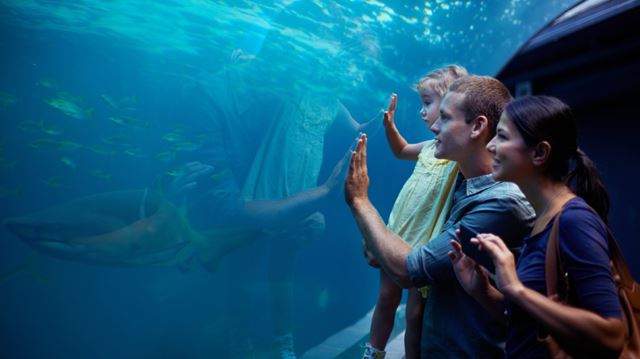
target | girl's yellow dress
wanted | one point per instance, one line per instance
(422, 205)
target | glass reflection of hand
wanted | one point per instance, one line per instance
(238, 57)
(331, 184)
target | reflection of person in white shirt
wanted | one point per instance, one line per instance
(265, 157)
(288, 162)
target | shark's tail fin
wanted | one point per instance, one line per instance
(212, 245)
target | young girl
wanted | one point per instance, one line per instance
(418, 213)
(534, 147)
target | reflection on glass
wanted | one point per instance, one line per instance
(179, 165)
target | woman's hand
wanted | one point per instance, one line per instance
(471, 276)
(506, 277)
(474, 279)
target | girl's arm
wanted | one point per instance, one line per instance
(399, 146)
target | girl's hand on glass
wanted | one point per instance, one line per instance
(388, 118)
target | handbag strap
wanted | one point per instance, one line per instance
(554, 267)
(619, 265)
(552, 263)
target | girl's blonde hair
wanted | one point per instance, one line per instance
(439, 80)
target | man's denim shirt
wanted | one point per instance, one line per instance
(454, 324)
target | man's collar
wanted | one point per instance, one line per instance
(478, 184)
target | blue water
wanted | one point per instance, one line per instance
(96, 97)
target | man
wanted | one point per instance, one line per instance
(454, 325)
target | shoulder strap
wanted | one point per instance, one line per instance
(552, 264)
(554, 267)
(619, 265)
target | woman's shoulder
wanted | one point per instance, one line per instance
(581, 229)
(577, 211)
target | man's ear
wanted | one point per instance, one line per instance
(540, 153)
(480, 125)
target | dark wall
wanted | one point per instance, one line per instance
(596, 70)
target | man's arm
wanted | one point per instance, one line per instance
(431, 264)
(389, 250)
(298, 206)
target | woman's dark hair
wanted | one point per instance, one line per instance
(544, 118)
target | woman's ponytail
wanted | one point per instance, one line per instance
(585, 181)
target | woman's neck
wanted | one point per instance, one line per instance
(547, 198)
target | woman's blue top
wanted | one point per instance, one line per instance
(585, 256)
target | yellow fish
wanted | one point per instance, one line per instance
(125, 103)
(55, 144)
(172, 137)
(119, 140)
(47, 83)
(166, 156)
(186, 146)
(70, 106)
(134, 152)
(102, 175)
(128, 121)
(55, 181)
(69, 162)
(49, 129)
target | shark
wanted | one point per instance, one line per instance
(126, 228)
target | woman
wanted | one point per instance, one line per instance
(534, 147)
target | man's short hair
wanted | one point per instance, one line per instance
(483, 96)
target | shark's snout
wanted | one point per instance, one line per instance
(20, 229)
(45, 237)
(32, 232)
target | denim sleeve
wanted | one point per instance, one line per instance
(508, 217)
